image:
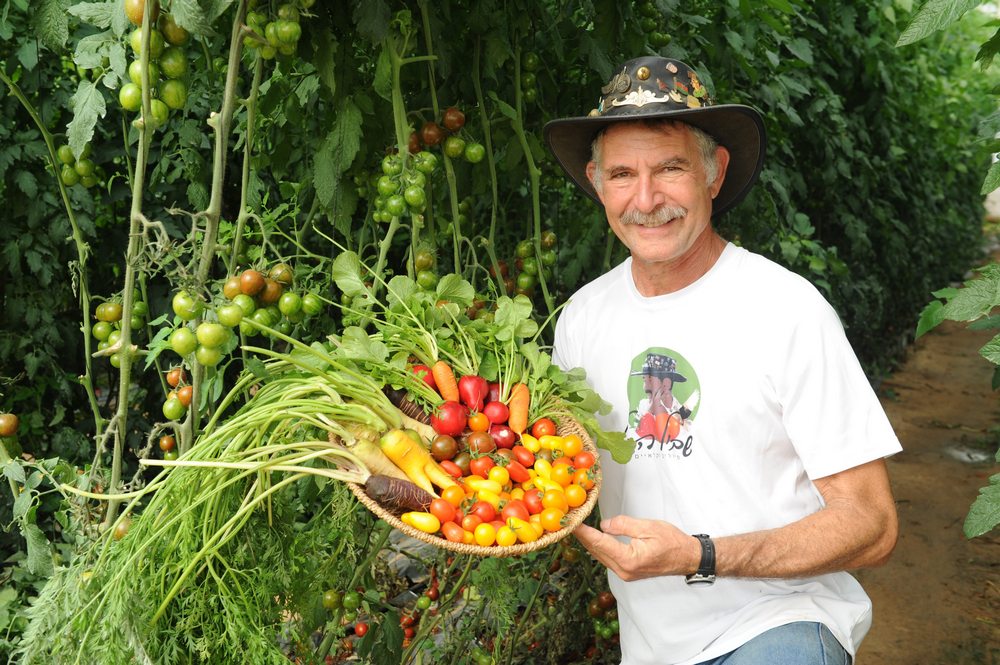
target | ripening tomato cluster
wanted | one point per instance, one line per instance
(451, 135)
(167, 65)
(511, 489)
(107, 330)
(251, 298)
(528, 265)
(276, 34)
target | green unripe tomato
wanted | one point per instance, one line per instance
(155, 43)
(135, 73)
(130, 97)
(69, 176)
(415, 197)
(230, 315)
(84, 167)
(312, 304)
(173, 409)
(174, 94)
(159, 111)
(351, 600)
(387, 186)
(101, 330)
(427, 279)
(209, 356)
(245, 303)
(332, 599)
(174, 63)
(290, 303)
(474, 153)
(186, 306)
(211, 334)
(454, 146)
(66, 155)
(183, 341)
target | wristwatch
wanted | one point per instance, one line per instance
(706, 569)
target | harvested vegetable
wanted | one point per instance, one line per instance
(444, 378)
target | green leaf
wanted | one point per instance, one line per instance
(934, 15)
(781, 5)
(257, 367)
(801, 49)
(992, 181)
(355, 343)
(984, 514)
(51, 24)
(372, 18)
(382, 84)
(14, 471)
(454, 289)
(991, 350)
(504, 107)
(513, 318)
(931, 316)
(346, 274)
(399, 290)
(96, 13)
(973, 300)
(39, 551)
(88, 106)
(189, 15)
(337, 151)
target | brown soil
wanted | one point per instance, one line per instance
(937, 601)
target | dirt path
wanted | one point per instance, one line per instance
(938, 599)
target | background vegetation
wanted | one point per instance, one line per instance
(871, 190)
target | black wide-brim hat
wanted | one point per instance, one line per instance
(650, 88)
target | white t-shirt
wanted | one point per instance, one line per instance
(777, 398)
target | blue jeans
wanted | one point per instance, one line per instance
(799, 643)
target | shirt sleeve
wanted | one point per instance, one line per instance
(829, 409)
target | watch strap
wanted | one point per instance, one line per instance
(706, 569)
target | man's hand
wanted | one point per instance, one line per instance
(656, 548)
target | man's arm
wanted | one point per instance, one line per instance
(857, 528)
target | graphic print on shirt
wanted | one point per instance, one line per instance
(663, 398)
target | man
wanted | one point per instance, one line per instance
(659, 416)
(731, 547)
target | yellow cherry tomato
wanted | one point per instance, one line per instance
(555, 499)
(491, 498)
(425, 522)
(551, 442)
(572, 445)
(505, 536)
(551, 519)
(522, 529)
(562, 474)
(543, 468)
(530, 442)
(575, 495)
(517, 493)
(485, 535)
(499, 474)
(482, 484)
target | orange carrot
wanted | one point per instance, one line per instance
(445, 380)
(520, 398)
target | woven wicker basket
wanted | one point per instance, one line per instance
(573, 518)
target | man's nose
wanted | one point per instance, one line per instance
(647, 197)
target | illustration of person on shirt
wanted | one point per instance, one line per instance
(660, 414)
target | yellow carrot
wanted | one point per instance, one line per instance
(444, 378)
(520, 398)
(408, 454)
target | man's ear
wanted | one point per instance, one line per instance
(591, 172)
(722, 163)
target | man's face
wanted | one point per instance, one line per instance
(649, 169)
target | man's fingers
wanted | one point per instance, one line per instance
(623, 525)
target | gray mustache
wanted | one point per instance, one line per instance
(661, 215)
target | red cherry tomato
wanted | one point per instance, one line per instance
(543, 427)
(361, 629)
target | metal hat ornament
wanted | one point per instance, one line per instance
(661, 366)
(650, 88)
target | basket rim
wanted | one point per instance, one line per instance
(574, 517)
